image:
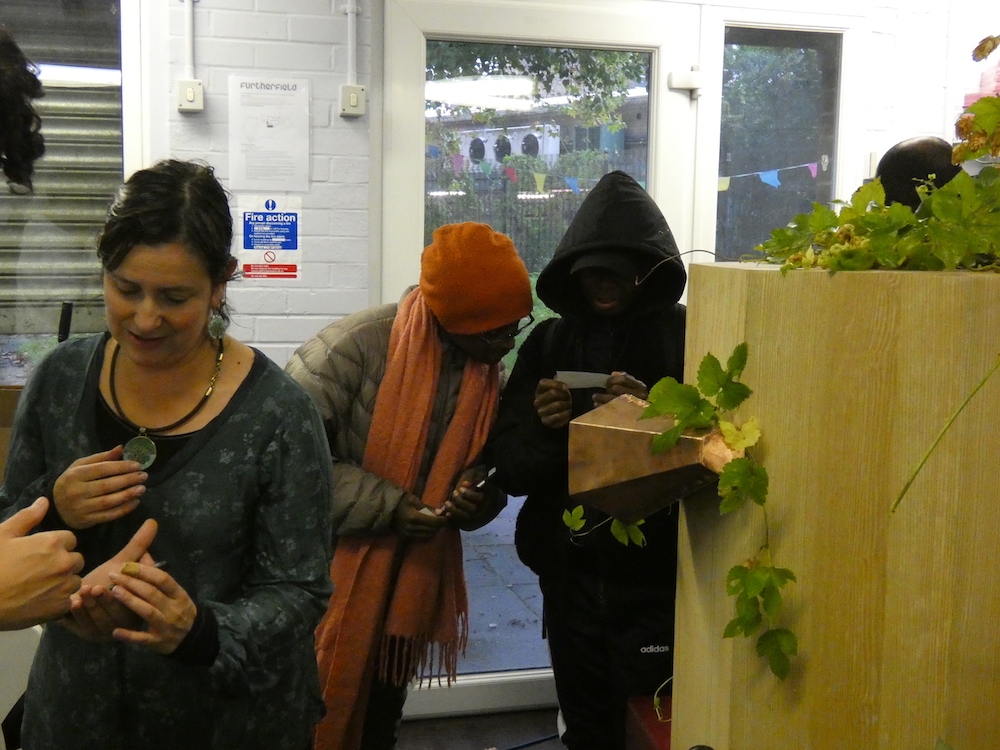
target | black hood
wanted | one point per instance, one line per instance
(617, 215)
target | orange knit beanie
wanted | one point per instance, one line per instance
(473, 279)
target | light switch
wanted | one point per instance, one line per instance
(190, 96)
(352, 100)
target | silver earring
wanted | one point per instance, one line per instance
(216, 325)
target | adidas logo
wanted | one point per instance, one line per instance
(654, 649)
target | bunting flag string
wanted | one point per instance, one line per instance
(767, 176)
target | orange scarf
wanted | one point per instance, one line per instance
(395, 625)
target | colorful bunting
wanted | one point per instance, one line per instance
(574, 184)
(770, 177)
(767, 176)
(511, 173)
(486, 167)
(457, 162)
(539, 181)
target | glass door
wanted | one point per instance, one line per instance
(483, 123)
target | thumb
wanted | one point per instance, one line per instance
(138, 545)
(24, 520)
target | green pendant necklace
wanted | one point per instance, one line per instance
(141, 448)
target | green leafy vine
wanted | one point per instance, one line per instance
(956, 226)
(757, 583)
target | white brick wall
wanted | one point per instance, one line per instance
(292, 39)
(918, 68)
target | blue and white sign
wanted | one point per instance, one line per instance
(270, 230)
(266, 230)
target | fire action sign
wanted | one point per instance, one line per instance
(270, 236)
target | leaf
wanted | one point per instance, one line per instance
(744, 476)
(733, 628)
(732, 394)
(738, 360)
(755, 581)
(734, 580)
(711, 376)
(740, 438)
(662, 396)
(777, 645)
(748, 617)
(770, 599)
(626, 533)
(574, 520)
(871, 192)
(851, 259)
(667, 440)
(732, 500)
(781, 576)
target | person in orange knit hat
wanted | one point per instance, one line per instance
(408, 394)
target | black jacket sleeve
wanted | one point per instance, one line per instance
(530, 458)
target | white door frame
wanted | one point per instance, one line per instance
(852, 163)
(683, 167)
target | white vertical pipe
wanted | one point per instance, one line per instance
(188, 39)
(352, 43)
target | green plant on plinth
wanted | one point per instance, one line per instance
(756, 584)
(957, 225)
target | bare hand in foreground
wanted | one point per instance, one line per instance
(99, 488)
(38, 572)
(416, 521)
(553, 403)
(161, 603)
(619, 384)
(95, 612)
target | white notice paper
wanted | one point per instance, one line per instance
(577, 379)
(268, 134)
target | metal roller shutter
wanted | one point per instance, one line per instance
(47, 238)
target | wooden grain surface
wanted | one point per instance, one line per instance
(898, 618)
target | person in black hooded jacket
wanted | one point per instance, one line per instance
(615, 280)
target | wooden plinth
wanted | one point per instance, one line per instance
(898, 618)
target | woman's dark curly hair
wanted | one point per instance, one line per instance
(21, 141)
(171, 201)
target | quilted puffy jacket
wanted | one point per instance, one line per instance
(342, 368)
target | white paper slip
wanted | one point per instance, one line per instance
(577, 379)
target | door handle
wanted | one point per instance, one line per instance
(686, 80)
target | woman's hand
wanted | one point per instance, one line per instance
(619, 384)
(159, 601)
(553, 403)
(416, 521)
(98, 488)
(94, 613)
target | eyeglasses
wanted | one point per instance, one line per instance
(502, 335)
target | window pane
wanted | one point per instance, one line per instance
(47, 238)
(779, 114)
(508, 144)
